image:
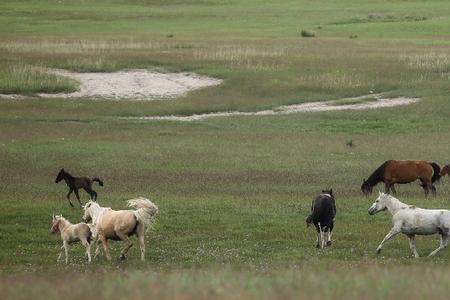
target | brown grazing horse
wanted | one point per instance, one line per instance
(75, 183)
(445, 170)
(403, 171)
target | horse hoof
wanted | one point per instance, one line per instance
(318, 246)
(329, 243)
(122, 257)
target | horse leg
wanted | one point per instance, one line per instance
(390, 234)
(105, 247)
(94, 195)
(321, 237)
(387, 188)
(60, 253)
(329, 237)
(412, 245)
(88, 249)
(97, 248)
(433, 190)
(78, 196)
(444, 242)
(128, 245)
(66, 251)
(425, 186)
(91, 193)
(68, 197)
(394, 192)
(141, 234)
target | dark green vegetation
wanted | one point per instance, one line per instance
(232, 192)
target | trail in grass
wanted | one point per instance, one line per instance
(362, 102)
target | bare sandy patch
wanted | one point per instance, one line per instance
(131, 85)
(366, 102)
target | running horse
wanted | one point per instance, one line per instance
(121, 224)
(411, 221)
(403, 171)
(75, 183)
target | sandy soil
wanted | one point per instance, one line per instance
(334, 105)
(145, 85)
(135, 84)
(132, 84)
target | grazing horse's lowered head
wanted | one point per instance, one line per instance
(366, 188)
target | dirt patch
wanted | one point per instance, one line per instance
(377, 101)
(130, 85)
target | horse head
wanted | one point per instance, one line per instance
(59, 177)
(55, 223)
(379, 204)
(366, 187)
(88, 211)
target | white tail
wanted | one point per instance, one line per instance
(146, 210)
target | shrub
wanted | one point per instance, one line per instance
(307, 33)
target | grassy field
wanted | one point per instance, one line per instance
(233, 192)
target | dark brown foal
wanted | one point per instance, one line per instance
(76, 183)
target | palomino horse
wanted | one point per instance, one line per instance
(75, 183)
(411, 220)
(403, 171)
(323, 212)
(71, 233)
(120, 224)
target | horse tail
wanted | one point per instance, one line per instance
(309, 220)
(145, 210)
(98, 180)
(436, 172)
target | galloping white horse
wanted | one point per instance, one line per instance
(411, 220)
(120, 224)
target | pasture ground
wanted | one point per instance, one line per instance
(233, 192)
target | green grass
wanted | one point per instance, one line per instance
(233, 192)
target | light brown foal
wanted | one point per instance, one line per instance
(72, 233)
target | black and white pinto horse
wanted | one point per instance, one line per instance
(323, 212)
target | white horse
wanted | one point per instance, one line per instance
(120, 224)
(71, 233)
(411, 220)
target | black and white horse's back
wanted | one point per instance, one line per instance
(323, 212)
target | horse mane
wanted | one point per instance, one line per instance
(66, 173)
(377, 175)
